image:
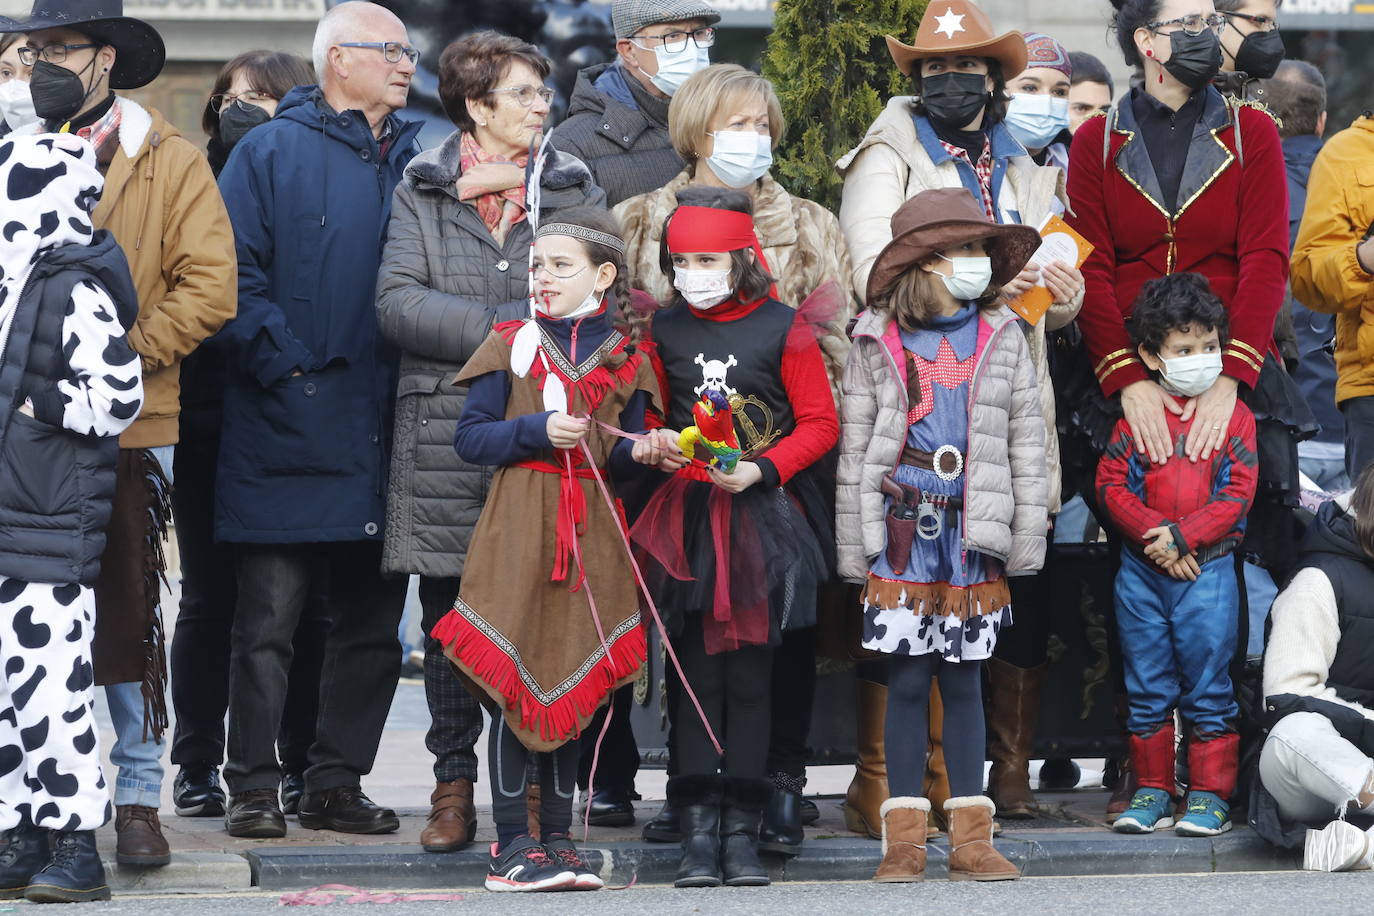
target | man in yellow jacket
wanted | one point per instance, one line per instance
(1333, 272)
(163, 208)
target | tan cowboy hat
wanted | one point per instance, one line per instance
(959, 27)
(942, 218)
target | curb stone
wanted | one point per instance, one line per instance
(188, 871)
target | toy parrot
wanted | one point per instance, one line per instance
(714, 433)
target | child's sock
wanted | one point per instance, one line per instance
(509, 833)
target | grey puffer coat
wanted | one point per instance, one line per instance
(1005, 484)
(444, 282)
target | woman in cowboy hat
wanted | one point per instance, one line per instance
(951, 133)
(938, 387)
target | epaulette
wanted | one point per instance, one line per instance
(1097, 113)
(1258, 106)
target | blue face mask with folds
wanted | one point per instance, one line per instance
(1035, 120)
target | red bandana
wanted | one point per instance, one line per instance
(697, 229)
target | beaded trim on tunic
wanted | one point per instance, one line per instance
(583, 233)
(576, 373)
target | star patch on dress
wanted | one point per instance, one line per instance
(950, 23)
(947, 369)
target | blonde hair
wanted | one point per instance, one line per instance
(709, 91)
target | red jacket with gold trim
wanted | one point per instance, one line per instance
(1230, 225)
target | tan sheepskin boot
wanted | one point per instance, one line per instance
(971, 853)
(904, 840)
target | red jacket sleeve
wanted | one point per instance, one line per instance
(1127, 511)
(646, 345)
(1233, 491)
(817, 428)
(1261, 246)
(1104, 329)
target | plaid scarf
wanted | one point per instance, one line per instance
(494, 185)
(104, 135)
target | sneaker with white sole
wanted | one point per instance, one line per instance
(1205, 814)
(524, 867)
(1149, 811)
(1339, 846)
(564, 853)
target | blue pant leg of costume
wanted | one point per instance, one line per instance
(1204, 642)
(1144, 599)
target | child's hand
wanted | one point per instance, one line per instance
(746, 474)
(26, 408)
(1185, 568)
(1163, 551)
(648, 450)
(566, 431)
(673, 459)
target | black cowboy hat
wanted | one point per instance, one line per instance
(139, 51)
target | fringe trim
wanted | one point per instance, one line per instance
(154, 577)
(560, 720)
(617, 370)
(938, 599)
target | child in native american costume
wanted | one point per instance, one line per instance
(547, 620)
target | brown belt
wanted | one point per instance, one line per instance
(924, 460)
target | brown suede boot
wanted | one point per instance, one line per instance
(1127, 781)
(452, 820)
(139, 837)
(904, 841)
(972, 856)
(1013, 710)
(868, 788)
(937, 778)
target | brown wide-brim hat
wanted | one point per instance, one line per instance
(139, 49)
(939, 219)
(959, 27)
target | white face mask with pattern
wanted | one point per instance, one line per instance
(703, 289)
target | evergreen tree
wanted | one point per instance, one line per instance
(830, 65)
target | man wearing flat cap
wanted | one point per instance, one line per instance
(618, 118)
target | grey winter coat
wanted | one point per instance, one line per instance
(1005, 484)
(444, 282)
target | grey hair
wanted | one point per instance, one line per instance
(333, 28)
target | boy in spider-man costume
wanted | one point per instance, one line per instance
(1176, 592)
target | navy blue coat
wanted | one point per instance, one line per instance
(303, 457)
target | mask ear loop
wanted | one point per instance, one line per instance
(67, 127)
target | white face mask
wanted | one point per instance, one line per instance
(16, 104)
(589, 305)
(740, 157)
(703, 289)
(1035, 120)
(970, 279)
(674, 67)
(1190, 376)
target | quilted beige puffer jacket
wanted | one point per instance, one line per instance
(1005, 486)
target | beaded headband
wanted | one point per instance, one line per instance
(583, 233)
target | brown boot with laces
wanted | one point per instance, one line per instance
(452, 820)
(139, 835)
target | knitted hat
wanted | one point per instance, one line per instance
(1044, 51)
(629, 16)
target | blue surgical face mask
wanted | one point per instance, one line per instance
(740, 157)
(1035, 120)
(674, 67)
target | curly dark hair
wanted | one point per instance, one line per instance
(1131, 15)
(1173, 303)
(748, 275)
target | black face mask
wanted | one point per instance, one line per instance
(1193, 59)
(954, 98)
(58, 93)
(1260, 54)
(235, 121)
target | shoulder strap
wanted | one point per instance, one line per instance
(1107, 133)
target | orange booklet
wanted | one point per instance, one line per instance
(1060, 243)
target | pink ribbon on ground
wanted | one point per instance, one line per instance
(327, 894)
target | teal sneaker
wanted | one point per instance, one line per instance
(1207, 815)
(1149, 811)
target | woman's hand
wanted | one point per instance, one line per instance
(566, 431)
(1023, 281)
(1144, 403)
(1062, 280)
(746, 474)
(1211, 412)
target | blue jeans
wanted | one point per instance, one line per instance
(1177, 640)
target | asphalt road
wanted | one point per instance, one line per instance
(1253, 893)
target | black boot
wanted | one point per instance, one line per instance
(739, 832)
(697, 802)
(781, 831)
(74, 874)
(24, 855)
(665, 826)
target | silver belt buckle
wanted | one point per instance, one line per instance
(958, 462)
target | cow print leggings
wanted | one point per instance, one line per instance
(49, 747)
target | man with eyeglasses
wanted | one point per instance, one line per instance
(1251, 46)
(161, 205)
(307, 421)
(618, 117)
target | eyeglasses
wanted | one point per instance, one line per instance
(676, 41)
(1195, 24)
(542, 268)
(392, 51)
(53, 54)
(1262, 23)
(525, 95)
(246, 100)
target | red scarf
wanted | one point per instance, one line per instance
(494, 185)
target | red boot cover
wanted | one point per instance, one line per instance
(1153, 757)
(1212, 763)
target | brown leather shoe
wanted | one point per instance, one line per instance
(972, 856)
(140, 839)
(904, 841)
(868, 789)
(452, 817)
(1014, 709)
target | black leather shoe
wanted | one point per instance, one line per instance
(696, 800)
(611, 808)
(1060, 774)
(197, 792)
(809, 812)
(781, 831)
(347, 810)
(292, 788)
(24, 855)
(739, 832)
(665, 827)
(255, 813)
(73, 874)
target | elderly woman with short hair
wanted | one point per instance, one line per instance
(455, 263)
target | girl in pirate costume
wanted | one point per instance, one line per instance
(732, 539)
(547, 620)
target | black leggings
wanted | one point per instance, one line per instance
(734, 689)
(905, 734)
(509, 762)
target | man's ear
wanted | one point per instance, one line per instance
(1151, 360)
(624, 49)
(335, 62)
(105, 58)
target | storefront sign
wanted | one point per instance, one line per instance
(227, 10)
(1327, 14)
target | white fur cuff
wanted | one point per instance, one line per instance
(971, 801)
(903, 802)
